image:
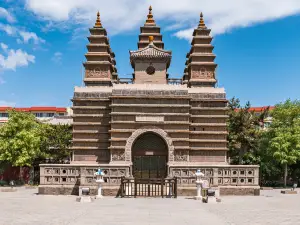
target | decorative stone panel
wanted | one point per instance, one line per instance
(56, 174)
(217, 175)
(203, 73)
(92, 95)
(208, 95)
(181, 156)
(147, 92)
(117, 155)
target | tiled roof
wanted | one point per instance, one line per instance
(260, 109)
(34, 109)
(151, 51)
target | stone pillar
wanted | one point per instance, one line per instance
(215, 177)
(82, 176)
(256, 176)
(42, 175)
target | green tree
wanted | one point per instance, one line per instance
(56, 141)
(244, 133)
(284, 134)
(270, 169)
(19, 139)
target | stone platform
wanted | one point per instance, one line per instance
(115, 191)
(270, 207)
(58, 179)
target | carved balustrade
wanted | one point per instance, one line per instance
(83, 175)
(219, 175)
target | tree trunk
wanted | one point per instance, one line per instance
(20, 174)
(242, 152)
(285, 174)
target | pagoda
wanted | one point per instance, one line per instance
(100, 67)
(200, 70)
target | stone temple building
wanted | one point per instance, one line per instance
(149, 126)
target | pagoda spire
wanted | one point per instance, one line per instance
(98, 21)
(100, 65)
(201, 22)
(150, 29)
(200, 70)
(150, 19)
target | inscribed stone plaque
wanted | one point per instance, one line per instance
(149, 118)
(149, 153)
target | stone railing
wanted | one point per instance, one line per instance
(125, 81)
(81, 175)
(174, 81)
(219, 175)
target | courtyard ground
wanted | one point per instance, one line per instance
(26, 207)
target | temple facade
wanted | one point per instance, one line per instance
(150, 126)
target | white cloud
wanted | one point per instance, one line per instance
(27, 36)
(7, 15)
(118, 15)
(2, 81)
(3, 46)
(7, 103)
(14, 58)
(57, 57)
(8, 29)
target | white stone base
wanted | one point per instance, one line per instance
(213, 200)
(84, 199)
(198, 198)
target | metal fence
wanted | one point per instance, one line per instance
(149, 187)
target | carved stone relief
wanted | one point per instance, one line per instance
(203, 73)
(155, 130)
(92, 95)
(117, 155)
(133, 92)
(97, 72)
(181, 156)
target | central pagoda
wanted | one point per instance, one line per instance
(152, 126)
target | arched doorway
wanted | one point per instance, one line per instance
(149, 156)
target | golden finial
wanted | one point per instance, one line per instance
(98, 21)
(201, 23)
(151, 38)
(150, 16)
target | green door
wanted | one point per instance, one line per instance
(149, 166)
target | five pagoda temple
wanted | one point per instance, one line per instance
(150, 126)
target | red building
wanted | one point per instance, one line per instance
(42, 113)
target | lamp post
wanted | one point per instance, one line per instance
(199, 175)
(294, 186)
(99, 180)
(12, 184)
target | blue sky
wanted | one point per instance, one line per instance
(42, 45)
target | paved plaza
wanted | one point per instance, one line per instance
(26, 207)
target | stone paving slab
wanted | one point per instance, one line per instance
(26, 207)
